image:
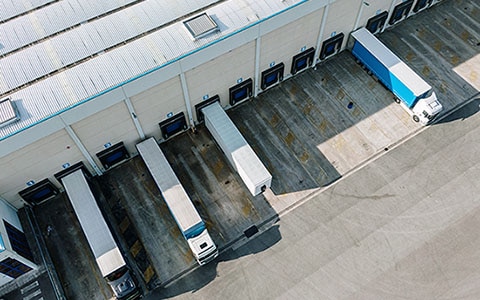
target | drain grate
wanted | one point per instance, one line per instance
(252, 230)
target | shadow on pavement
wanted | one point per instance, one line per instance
(464, 112)
(202, 276)
(69, 250)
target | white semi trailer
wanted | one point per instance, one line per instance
(237, 150)
(107, 254)
(188, 220)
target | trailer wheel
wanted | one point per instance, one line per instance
(416, 118)
(397, 100)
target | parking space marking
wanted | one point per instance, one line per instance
(135, 249)
(148, 273)
(124, 225)
(29, 287)
(33, 295)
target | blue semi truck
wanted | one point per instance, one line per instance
(408, 87)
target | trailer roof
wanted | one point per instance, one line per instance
(174, 194)
(57, 54)
(93, 224)
(396, 66)
(240, 153)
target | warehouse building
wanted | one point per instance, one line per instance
(15, 255)
(84, 81)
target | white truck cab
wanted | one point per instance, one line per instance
(203, 247)
(427, 108)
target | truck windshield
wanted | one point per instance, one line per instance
(427, 94)
(117, 274)
(194, 230)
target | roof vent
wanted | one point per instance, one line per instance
(201, 26)
(8, 112)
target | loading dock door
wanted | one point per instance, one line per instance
(400, 12)
(239, 153)
(375, 24)
(331, 46)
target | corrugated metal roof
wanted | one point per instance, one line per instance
(11, 9)
(57, 17)
(79, 63)
(79, 43)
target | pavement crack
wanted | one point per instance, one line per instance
(370, 197)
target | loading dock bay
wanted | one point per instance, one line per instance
(308, 131)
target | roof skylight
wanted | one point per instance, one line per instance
(201, 26)
(8, 112)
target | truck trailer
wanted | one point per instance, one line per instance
(410, 90)
(181, 207)
(107, 254)
(237, 150)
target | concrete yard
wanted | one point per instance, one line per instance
(290, 152)
(309, 131)
(222, 202)
(402, 227)
(442, 50)
(70, 252)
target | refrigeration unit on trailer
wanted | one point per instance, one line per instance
(181, 207)
(241, 156)
(416, 95)
(107, 254)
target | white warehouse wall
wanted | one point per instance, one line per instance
(153, 105)
(218, 75)
(111, 125)
(36, 161)
(340, 18)
(211, 70)
(9, 214)
(370, 9)
(393, 3)
(283, 43)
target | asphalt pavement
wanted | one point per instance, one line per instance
(402, 227)
(398, 225)
(37, 288)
